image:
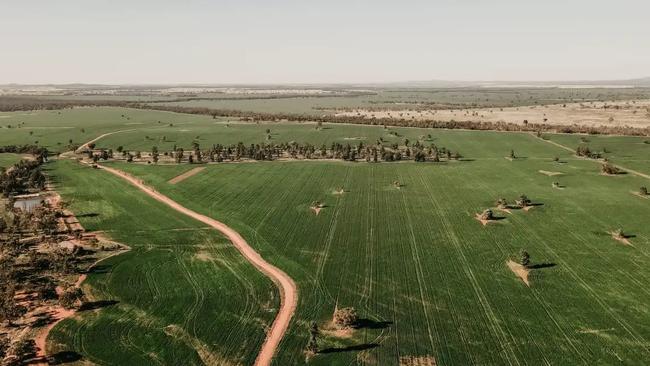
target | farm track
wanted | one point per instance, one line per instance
(84, 146)
(635, 172)
(288, 289)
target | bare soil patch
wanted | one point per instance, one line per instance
(519, 270)
(550, 174)
(417, 361)
(640, 195)
(179, 178)
(622, 240)
(203, 256)
(482, 221)
(508, 158)
(331, 330)
(316, 209)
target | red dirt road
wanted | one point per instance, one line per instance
(288, 289)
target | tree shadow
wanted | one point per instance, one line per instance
(542, 265)
(100, 268)
(372, 324)
(93, 305)
(91, 214)
(64, 357)
(356, 347)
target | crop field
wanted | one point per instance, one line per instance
(428, 280)
(182, 295)
(55, 128)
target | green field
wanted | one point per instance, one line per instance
(8, 159)
(413, 98)
(426, 276)
(180, 289)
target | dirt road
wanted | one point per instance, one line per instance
(83, 147)
(288, 289)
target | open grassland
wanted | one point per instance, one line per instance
(430, 280)
(182, 295)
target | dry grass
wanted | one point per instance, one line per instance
(619, 113)
(519, 270)
(179, 178)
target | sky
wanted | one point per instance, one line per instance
(333, 41)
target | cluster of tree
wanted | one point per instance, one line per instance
(39, 152)
(584, 151)
(22, 177)
(608, 168)
(272, 151)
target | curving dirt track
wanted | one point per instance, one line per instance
(288, 289)
(83, 147)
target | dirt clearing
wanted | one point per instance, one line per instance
(519, 270)
(417, 361)
(179, 178)
(550, 174)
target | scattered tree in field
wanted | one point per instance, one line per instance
(523, 201)
(607, 168)
(502, 203)
(512, 154)
(487, 214)
(314, 332)
(642, 191)
(120, 149)
(345, 317)
(524, 258)
(619, 234)
(397, 184)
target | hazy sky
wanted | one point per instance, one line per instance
(257, 41)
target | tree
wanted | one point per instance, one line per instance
(4, 346)
(345, 317)
(608, 168)
(512, 154)
(487, 215)
(9, 309)
(524, 258)
(643, 191)
(71, 297)
(502, 203)
(314, 332)
(523, 201)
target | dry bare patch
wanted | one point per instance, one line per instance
(179, 178)
(519, 270)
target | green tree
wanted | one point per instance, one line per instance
(524, 258)
(314, 332)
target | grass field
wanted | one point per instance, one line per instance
(8, 159)
(429, 279)
(417, 98)
(184, 295)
